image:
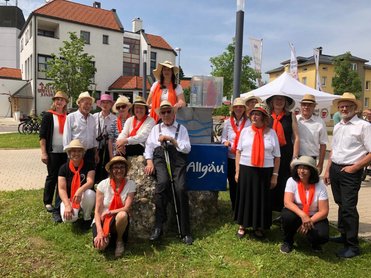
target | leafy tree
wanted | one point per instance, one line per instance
(346, 79)
(187, 94)
(72, 70)
(223, 65)
(181, 73)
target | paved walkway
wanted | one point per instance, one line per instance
(23, 169)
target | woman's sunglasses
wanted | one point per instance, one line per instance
(122, 106)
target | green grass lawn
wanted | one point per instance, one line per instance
(19, 141)
(33, 246)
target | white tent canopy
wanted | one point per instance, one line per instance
(287, 86)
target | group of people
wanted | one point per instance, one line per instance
(274, 162)
(82, 150)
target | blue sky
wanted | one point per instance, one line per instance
(203, 28)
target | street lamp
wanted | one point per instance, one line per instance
(238, 49)
(145, 74)
(178, 49)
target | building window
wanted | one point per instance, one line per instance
(153, 63)
(325, 68)
(366, 101)
(353, 66)
(105, 39)
(42, 62)
(21, 44)
(131, 57)
(45, 33)
(304, 80)
(367, 85)
(323, 81)
(305, 69)
(85, 36)
(131, 46)
(130, 69)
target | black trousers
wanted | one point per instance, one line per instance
(163, 191)
(55, 161)
(231, 181)
(345, 187)
(132, 150)
(291, 222)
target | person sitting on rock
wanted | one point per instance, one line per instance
(175, 136)
(75, 183)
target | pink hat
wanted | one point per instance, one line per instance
(105, 97)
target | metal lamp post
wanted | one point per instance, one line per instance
(238, 48)
(178, 49)
(145, 74)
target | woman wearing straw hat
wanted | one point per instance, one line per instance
(257, 163)
(114, 198)
(121, 107)
(52, 154)
(250, 101)
(136, 130)
(306, 206)
(284, 123)
(230, 137)
(165, 88)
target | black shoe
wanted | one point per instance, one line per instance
(259, 234)
(49, 208)
(347, 254)
(157, 233)
(188, 240)
(56, 216)
(286, 248)
(86, 224)
(338, 239)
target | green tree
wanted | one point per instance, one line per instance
(72, 70)
(181, 73)
(223, 65)
(187, 94)
(346, 79)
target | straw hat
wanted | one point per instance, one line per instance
(236, 102)
(251, 96)
(84, 95)
(291, 102)
(61, 95)
(165, 104)
(121, 100)
(75, 144)
(348, 97)
(105, 97)
(309, 99)
(140, 101)
(157, 72)
(262, 107)
(117, 159)
(305, 160)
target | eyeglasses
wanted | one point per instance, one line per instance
(167, 111)
(345, 106)
(122, 106)
(305, 168)
(116, 168)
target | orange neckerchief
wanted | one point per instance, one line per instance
(119, 124)
(277, 127)
(61, 119)
(76, 183)
(156, 99)
(257, 154)
(303, 198)
(135, 128)
(116, 203)
(238, 132)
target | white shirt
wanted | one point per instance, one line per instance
(228, 134)
(271, 147)
(184, 145)
(351, 141)
(319, 194)
(164, 95)
(312, 134)
(76, 127)
(57, 140)
(105, 122)
(142, 133)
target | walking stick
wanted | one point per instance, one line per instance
(167, 159)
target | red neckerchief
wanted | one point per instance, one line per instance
(116, 203)
(303, 198)
(61, 119)
(277, 127)
(76, 183)
(257, 154)
(135, 128)
(156, 99)
(238, 132)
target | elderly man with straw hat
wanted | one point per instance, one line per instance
(75, 183)
(351, 152)
(165, 152)
(312, 132)
(81, 125)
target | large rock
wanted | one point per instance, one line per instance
(203, 204)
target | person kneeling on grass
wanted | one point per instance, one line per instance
(75, 183)
(306, 206)
(114, 198)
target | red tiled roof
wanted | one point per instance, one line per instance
(76, 12)
(157, 41)
(129, 83)
(185, 83)
(10, 73)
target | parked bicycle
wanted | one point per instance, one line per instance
(30, 124)
(218, 129)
